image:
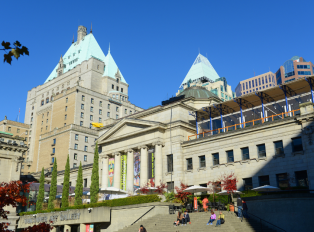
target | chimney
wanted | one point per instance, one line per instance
(81, 32)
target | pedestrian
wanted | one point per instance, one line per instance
(186, 218)
(245, 209)
(179, 219)
(239, 204)
(205, 206)
(221, 219)
(142, 229)
(212, 218)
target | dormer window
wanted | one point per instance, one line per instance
(117, 80)
(69, 57)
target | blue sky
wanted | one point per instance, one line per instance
(154, 43)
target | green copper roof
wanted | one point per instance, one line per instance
(2, 132)
(87, 48)
(197, 92)
(200, 68)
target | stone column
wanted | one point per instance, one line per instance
(117, 170)
(67, 227)
(82, 228)
(158, 163)
(105, 166)
(130, 171)
(144, 164)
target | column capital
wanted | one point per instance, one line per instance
(103, 156)
(142, 147)
(116, 153)
(128, 150)
(158, 143)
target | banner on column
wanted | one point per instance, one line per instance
(111, 172)
(89, 227)
(151, 167)
(123, 172)
(137, 170)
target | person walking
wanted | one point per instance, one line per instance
(212, 218)
(186, 218)
(221, 219)
(205, 206)
(245, 209)
(142, 229)
(239, 204)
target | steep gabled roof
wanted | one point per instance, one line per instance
(111, 67)
(200, 68)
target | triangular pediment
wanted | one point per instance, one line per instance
(128, 127)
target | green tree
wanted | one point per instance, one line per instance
(16, 50)
(66, 185)
(53, 186)
(94, 188)
(79, 187)
(41, 192)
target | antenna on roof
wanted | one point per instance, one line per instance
(91, 28)
(73, 39)
(109, 48)
(199, 51)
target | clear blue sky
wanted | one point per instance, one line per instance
(154, 43)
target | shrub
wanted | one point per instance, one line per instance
(109, 203)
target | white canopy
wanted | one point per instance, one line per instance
(112, 190)
(224, 192)
(196, 189)
(266, 188)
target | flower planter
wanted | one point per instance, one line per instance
(231, 207)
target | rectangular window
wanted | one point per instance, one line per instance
(54, 141)
(242, 86)
(42, 102)
(85, 148)
(250, 84)
(253, 83)
(278, 147)
(261, 150)
(301, 179)
(85, 183)
(230, 157)
(18, 130)
(100, 112)
(262, 80)
(86, 139)
(75, 156)
(26, 132)
(76, 136)
(246, 85)
(202, 161)
(282, 180)
(126, 111)
(259, 81)
(108, 114)
(100, 103)
(99, 120)
(130, 111)
(85, 157)
(215, 159)
(92, 100)
(47, 100)
(112, 86)
(121, 90)
(81, 123)
(83, 98)
(263, 180)
(53, 150)
(170, 186)
(170, 163)
(91, 109)
(66, 100)
(9, 128)
(66, 108)
(189, 164)
(65, 117)
(82, 115)
(297, 144)
(108, 106)
(245, 153)
(247, 183)
(52, 159)
(117, 88)
(82, 106)
(74, 166)
(266, 79)
(90, 126)
(117, 109)
(75, 146)
(91, 117)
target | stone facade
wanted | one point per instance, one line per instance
(12, 149)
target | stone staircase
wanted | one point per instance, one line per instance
(164, 223)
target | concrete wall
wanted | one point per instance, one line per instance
(291, 212)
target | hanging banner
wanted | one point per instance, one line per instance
(111, 172)
(89, 227)
(123, 172)
(151, 168)
(137, 170)
(195, 203)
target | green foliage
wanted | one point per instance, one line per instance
(228, 207)
(66, 185)
(94, 188)
(79, 187)
(16, 50)
(140, 199)
(169, 196)
(53, 186)
(41, 192)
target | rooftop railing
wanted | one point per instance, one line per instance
(245, 124)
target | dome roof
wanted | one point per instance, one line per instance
(197, 92)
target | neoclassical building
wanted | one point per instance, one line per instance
(170, 143)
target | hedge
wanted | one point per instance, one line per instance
(109, 203)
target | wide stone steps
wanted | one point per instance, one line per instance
(164, 223)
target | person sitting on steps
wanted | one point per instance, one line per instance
(186, 218)
(142, 229)
(212, 218)
(221, 219)
(179, 219)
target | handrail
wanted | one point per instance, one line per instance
(243, 124)
(142, 215)
(260, 220)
